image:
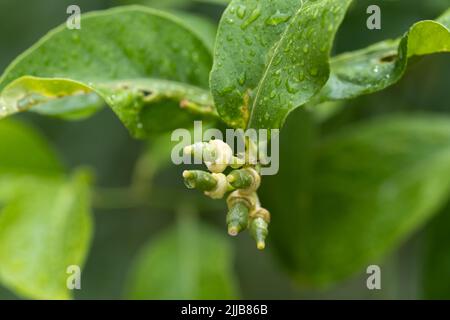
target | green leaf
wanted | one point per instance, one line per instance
(75, 107)
(137, 59)
(189, 261)
(271, 57)
(383, 64)
(175, 3)
(44, 217)
(436, 268)
(203, 27)
(44, 228)
(343, 203)
(24, 151)
(222, 2)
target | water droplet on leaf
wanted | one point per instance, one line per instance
(241, 11)
(242, 78)
(292, 86)
(277, 18)
(252, 18)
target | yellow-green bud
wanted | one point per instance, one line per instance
(237, 218)
(198, 179)
(259, 231)
(246, 179)
(240, 179)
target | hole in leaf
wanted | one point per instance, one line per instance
(389, 58)
(146, 93)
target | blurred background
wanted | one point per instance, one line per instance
(102, 143)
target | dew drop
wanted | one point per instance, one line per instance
(315, 13)
(252, 18)
(277, 73)
(277, 18)
(241, 11)
(229, 20)
(273, 93)
(314, 71)
(306, 48)
(226, 90)
(292, 86)
(242, 78)
(301, 76)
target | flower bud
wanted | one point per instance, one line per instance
(246, 179)
(196, 150)
(259, 226)
(221, 156)
(259, 231)
(240, 179)
(200, 180)
(237, 218)
(221, 187)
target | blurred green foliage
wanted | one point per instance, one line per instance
(189, 261)
(136, 230)
(41, 206)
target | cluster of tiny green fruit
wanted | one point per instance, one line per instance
(239, 187)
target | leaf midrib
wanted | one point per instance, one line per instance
(276, 47)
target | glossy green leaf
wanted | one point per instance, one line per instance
(222, 2)
(142, 62)
(75, 107)
(45, 227)
(436, 266)
(24, 151)
(344, 202)
(203, 27)
(175, 3)
(383, 64)
(271, 57)
(187, 262)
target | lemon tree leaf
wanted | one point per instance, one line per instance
(383, 64)
(45, 223)
(271, 57)
(45, 227)
(132, 57)
(189, 261)
(24, 151)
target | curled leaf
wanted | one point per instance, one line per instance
(383, 64)
(113, 56)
